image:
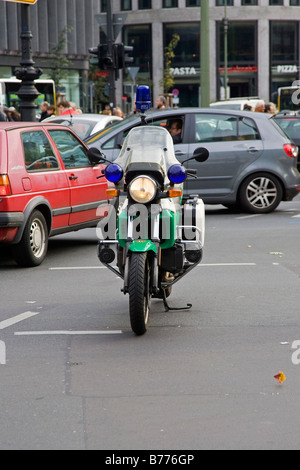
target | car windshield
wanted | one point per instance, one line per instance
(119, 124)
(148, 144)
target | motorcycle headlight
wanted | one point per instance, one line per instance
(142, 189)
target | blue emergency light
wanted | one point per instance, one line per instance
(143, 98)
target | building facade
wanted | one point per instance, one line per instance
(262, 44)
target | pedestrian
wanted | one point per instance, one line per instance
(65, 108)
(117, 111)
(13, 114)
(51, 110)
(3, 117)
(270, 108)
(160, 102)
(260, 107)
(107, 110)
(247, 107)
(44, 110)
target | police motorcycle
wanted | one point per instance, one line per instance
(154, 236)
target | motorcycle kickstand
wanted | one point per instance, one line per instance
(167, 307)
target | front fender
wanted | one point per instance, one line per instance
(142, 246)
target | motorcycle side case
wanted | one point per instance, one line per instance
(194, 215)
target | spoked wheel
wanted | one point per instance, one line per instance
(32, 249)
(261, 193)
(139, 292)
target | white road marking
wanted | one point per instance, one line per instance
(227, 264)
(67, 332)
(248, 216)
(2, 353)
(103, 267)
(16, 319)
(74, 268)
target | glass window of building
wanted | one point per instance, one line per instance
(294, 3)
(126, 5)
(249, 2)
(284, 53)
(140, 38)
(188, 47)
(275, 2)
(170, 3)
(241, 58)
(104, 6)
(144, 5)
(221, 3)
(193, 3)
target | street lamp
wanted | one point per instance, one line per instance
(28, 73)
(225, 23)
(204, 54)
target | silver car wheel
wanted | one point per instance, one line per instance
(260, 193)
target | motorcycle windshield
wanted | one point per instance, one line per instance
(151, 144)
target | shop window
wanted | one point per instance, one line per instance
(145, 5)
(275, 2)
(170, 3)
(126, 5)
(193, 3)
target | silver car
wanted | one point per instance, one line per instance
(252, 162)
(85, 125)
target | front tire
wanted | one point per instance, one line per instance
(139, 292)
(260, 193)
(32, 249)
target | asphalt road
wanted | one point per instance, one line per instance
(73, 375)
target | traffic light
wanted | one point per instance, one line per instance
(104, 59)
(121, 59)
(94, 51)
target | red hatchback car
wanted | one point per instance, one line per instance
(48, 186)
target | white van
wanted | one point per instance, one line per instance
(236, 103)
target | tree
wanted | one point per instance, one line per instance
(167, 81)
(60, 61)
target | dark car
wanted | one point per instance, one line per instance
(290, 123)
(252, 162)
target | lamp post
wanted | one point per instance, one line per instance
(28, 73)
(204, 54)
(225, 22)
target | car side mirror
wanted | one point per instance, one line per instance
(95, 156)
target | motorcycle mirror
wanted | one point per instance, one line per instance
(96, 157)
(201, 154)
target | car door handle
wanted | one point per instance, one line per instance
(252, 149)
(179, 153)
(73, 177)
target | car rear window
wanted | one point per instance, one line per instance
(38, 152)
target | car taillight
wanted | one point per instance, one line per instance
(5, 189)
(291, 150)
